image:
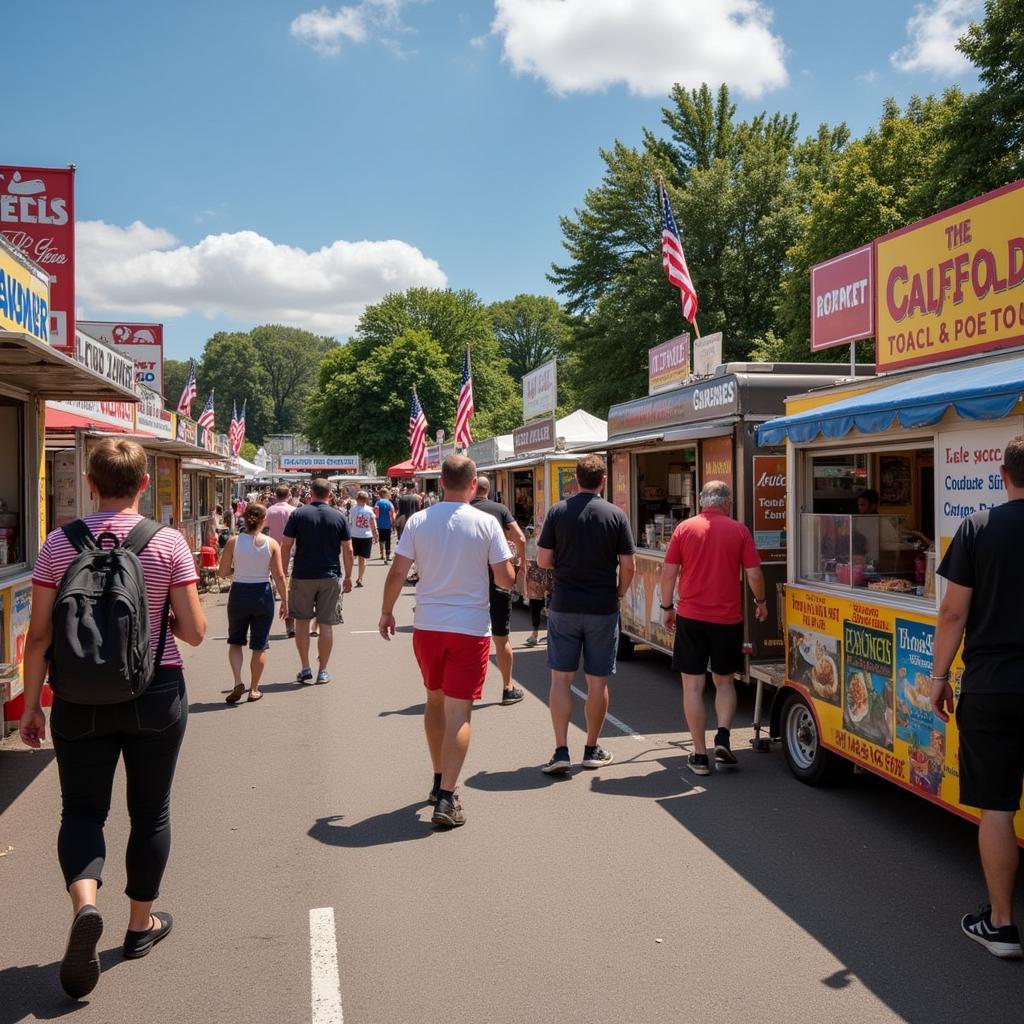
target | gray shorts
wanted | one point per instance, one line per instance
(596, 637)
(315, 599)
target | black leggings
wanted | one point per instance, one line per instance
(384, 533)
(88, 740)
(536, 604)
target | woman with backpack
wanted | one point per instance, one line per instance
(115, 695)
(253, 558)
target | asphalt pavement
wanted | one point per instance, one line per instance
(307, 884)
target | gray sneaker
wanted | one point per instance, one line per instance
(323, 676)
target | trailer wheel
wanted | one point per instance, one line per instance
(808, 760)
(626, 648)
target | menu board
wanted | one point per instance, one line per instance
(770, 507)
(65, 488)
(620, 481)
(166, 473)
(716, 460)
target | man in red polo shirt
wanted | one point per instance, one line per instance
(705, 556)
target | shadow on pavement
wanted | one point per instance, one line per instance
(412, 709)
(518, 779)
(33, 992)
(672, 780)
(857, 868)
(18, 770)
(398, 826)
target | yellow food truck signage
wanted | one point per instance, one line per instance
(866, 669)
(951, 285)
(24, 298)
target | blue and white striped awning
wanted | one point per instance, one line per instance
(986, 392)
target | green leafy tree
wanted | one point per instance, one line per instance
(290, 360)
(531, 330)
(986, 137)
(738, 189)
(249, 449)
(175, 375)
(452, 319)
(381, 379)
(231, 365)
(882, 181)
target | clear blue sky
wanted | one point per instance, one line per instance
(375, 120)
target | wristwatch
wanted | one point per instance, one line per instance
(667, 607)
(756, 601)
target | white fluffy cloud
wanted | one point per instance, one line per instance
(648, 45)
(143, 271)
(325, 30)
(932, 31)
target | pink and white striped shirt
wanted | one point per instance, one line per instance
(166, 561)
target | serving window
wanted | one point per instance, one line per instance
(523, 498)
(666, 494)
(871, 521)
(13, 514)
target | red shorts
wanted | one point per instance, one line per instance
(453, 663)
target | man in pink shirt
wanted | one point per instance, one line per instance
(705, 556)
(277, 516)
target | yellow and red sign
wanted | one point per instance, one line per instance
(953, 284)
(24, 296)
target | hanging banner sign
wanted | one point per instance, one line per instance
(534, 437)
(37, 216)
(142, 343)
(950, 286)
(186, 430)
(314, 462)
(24, 296)
(114, 367)
(668, 364)
(150, 416)
(842, 299)
(540, 391)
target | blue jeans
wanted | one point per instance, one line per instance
(571, 634)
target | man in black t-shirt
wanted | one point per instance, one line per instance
(501, 600)
(408, 505)
(984, 570)
(322, 541)
(588, 543)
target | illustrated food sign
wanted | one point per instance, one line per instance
(668, 364)
(37, 216)
(867, 669)
(950, 285)
(842, 299)
(540, 391)
(770, 506)
(142, 343)
(24, 296)
(317, 463)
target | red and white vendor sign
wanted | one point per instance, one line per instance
(37, 216)
(842, 299)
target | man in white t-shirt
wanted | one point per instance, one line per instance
(453, 545)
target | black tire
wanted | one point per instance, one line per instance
(626, 648)
(808, 760)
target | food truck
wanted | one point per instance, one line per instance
(862, 595)
(664, 448)
(32, 371)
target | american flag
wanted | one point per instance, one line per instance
(236, 432)
(417, 434)
(189, 393)
(206, 416)
(464, 413)
(673, 259)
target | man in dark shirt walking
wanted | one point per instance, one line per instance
(588, 543)
(322, 542)
(501, 600)
(983, 569)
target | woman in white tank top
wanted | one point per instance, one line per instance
(252, 558)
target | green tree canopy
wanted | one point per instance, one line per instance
(381, 379)
(531, 330)
(452, 319)
(290, 360)
(231, 365)
(175, 375)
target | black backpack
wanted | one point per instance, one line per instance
(101, 652)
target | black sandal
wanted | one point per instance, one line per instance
(235, 695)
(80, 968)
(138, 944)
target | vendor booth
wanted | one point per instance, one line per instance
(862, 595)
(31, 372)
(664, 448)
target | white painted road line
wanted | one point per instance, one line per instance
(325, 986)
(618, 723)
(359, 632)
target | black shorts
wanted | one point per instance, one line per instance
(501, 612)
(698, 643)
(384, 533)
(362, 547)
(991, 729)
